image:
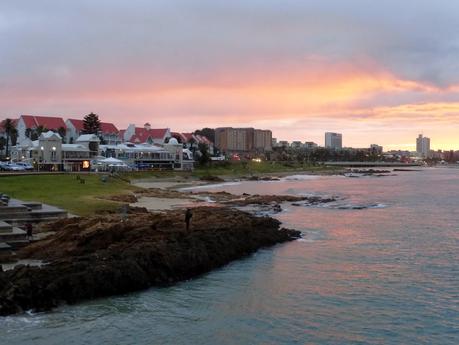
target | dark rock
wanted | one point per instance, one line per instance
(211, 178)
(106, 255)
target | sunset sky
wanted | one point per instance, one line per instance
(377, 71)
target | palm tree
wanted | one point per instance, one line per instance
(35, 133)
(62, 132)
(10, 131)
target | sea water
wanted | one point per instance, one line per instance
(386, 272)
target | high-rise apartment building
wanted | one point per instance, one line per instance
(423, 146)
(333, 140)
(228, 139)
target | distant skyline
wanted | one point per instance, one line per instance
(376, 72)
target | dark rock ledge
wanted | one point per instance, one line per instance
(108, 255)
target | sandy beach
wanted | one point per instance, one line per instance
(160, 204)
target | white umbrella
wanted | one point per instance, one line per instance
(110, 160)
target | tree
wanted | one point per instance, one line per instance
(191, 141)
(204, 157)
(11, 133)
(2, 143)
(62, 132)
(207, 132)
(35, 134)
(91, 124)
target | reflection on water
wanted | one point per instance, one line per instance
(382, 275)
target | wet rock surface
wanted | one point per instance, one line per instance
(271, 199)
(113, 254)
(164, 193)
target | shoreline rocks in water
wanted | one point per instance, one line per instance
(106, 255)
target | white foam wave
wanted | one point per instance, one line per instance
(378, 206)
(353, 206)
(207, 199)
(300, 177)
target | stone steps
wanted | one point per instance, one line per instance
(33, 205)
(33, 215)
(13, 209)
(5, 227)
(22, 221)
(14, 235)
(16, 215)
(4, 247)
(18, 243)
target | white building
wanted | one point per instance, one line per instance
(150, 156)
(423, 146)
(50, 154)
(145, 134)
(333, 141)
(27, 125)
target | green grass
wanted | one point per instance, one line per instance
(232, 169)
(238, 169)
(65, 191)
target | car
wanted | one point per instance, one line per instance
(15, 167)
(143, 166)
(27, 166)
(4, 166)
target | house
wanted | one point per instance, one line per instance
(190, 140)
(142, 156)
(108, 131)
(48, 153)
(146, 134)
(28, 124)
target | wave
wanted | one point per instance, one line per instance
(353, 207)
(206, 199)
(300, 177)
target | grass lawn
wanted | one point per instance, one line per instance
(238, 169)
(65, 191)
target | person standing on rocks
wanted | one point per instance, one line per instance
(188, 215)
(29, 231)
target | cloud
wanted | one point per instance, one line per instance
(313, 65)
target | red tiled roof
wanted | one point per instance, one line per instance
(203, 139)
(78, 124)
(179, 136)
(106, 127)
(29, 121)
(45, 121)
(185, 137)
(141, 134)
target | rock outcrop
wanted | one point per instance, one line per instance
(111, 254)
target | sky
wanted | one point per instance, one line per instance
(376, 71)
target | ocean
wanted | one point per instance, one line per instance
(378, 266)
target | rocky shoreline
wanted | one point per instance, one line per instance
(113, 254)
